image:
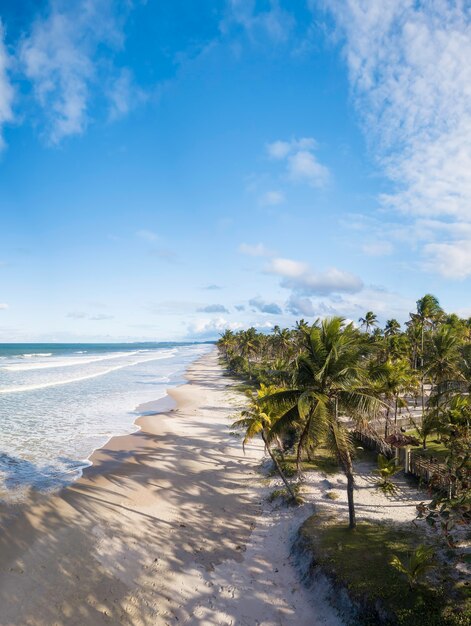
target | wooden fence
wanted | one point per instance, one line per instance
(432, 472)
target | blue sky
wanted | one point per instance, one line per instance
(172, 168)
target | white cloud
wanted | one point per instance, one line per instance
(412, 85)
(378, 248)
(124, 94)
(211, 328)
(287, 267)
(3, 306)
(6, 89)
(304, 167)
(301, 163)
(254, 249)
(147, 235)
(273, 23)
(303, 280)
(272, 198)
(451, 259)
(281, 149)
(60, 57)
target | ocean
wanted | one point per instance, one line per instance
(60, 402)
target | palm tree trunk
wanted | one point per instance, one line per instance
(351, 505)
(386, 424)
(278, 467)
(301, 446)
(348, 469)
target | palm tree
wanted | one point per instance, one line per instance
(393, 379)
(428, 310)
(391, 328)
(226, 341)
(330, 382)
(255, 421)
(248, 343)
(369, 321)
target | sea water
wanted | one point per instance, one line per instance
(59, 402)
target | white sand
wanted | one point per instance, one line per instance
(159, 531)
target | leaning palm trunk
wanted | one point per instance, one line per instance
(348, 469)
(278, 467)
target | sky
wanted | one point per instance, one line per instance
(172, 168)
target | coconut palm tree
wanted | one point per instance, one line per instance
(369, 321)
(393, 379)
(330, 381)
(391, 328)
(226, 341)
(257, 421)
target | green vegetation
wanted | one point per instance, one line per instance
(360, 561)
(284, 495)
(309, 388)
(387, 468)
(420, 560)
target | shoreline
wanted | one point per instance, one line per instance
(166, 527)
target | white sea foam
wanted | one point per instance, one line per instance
(67, 381)
(71, 361)
(51, 419)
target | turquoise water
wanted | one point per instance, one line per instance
(59, 402)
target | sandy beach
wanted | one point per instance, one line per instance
(166, 527)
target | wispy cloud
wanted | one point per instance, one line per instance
(412, 87)
(213, 308)
(301, 163)
(212, 287)
(64, 55)
(3, 306)
(272, 198)
(147, 235)
(123, 94)
(6, 88)
(378, 248)
(270, 23)
(258, 249)
(98, 317)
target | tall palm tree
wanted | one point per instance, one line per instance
(330, 381)
(369, 321)
(257, 421)
(428, 311)
(226, 341)
(391, 328)
(394, 379)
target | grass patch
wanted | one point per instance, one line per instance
(435, 448)
(332, 495)
(322, 461)
(285, 496)
(360, 561)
